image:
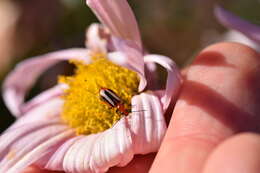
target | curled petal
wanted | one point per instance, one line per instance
(19, 81)
(173, 79)
(141, 132)
(232, 21)
(114, 15)
(97, 37)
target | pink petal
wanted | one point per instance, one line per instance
(141, 132)
(25, 74)
(26, 149)
(97, 37)
(39, 117)
(47, 147)
(231, 21)
(45, 112)
(10, 136)
(45, 96)
(114, 15)
(173, 79)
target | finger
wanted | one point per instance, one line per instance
(238, 154)
(219, 97)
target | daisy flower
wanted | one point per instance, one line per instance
(242, 30)
(99, 117)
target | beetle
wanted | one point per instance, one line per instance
(113, 100)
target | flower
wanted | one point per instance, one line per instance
(241, 28)
(69, 127)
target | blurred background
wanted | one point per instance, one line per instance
(175, 28)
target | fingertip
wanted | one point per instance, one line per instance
(238, 154)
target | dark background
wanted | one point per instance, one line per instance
(176, 28)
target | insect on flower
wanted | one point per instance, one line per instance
(113, 100)
(66, 128)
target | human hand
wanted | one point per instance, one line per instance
(220, 98)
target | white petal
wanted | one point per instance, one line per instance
(173, 79)
(97, 37)
(19, 81)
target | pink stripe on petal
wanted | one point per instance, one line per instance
(160, 124)
(137, 126)
(173, 79)
(232, 21)
(114, 15)
(19, 81)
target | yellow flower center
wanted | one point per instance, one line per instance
(83, 108)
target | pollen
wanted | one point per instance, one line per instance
(83, 109)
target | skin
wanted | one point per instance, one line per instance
(215, 124)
